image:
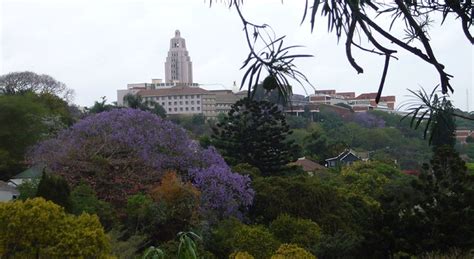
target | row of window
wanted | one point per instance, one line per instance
(184, 109)
(181, 103)
(173, 97)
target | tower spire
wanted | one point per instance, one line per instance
(178, 65)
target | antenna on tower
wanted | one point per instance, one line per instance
(467, 100)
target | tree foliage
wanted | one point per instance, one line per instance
(255, 132)
(447, 207)
(289, 251)
(256, 240)
(224, 193)
(121, 152)
(356, 20)
(180, 203)
(39, 228)
(302, 232)
(23, 82)
(54, 188)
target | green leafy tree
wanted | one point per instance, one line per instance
(447, 207)
(290, 251)
(21, 125)
(41, 229)
(84, 199)
(101, 106)
(29, 82)
(256, 240)
(302, 232)
(28, 189)
(135, 101)
(55, 188)
(142, 214)
(255, 132)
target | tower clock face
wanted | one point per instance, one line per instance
(176, 44)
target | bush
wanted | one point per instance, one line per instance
(84, 199)
(302, 232)
(28, 189)
(291, 251)
(256, 240)
(220, 241)
(56, 189)
(40, 228)
(179, 202)
(241, 255)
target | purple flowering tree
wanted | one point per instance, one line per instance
(125, 151)
(223, 193)
(368, 120)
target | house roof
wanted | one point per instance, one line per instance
(33, 172)
(308, 165)
(343, 155)
(7, 188)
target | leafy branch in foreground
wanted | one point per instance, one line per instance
(436, 110)
(357, 20)
(268, 53)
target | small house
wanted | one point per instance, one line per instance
(345, 158)
(7, 192)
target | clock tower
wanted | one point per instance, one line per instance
(178, 65)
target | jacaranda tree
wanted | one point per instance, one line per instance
(126, 151)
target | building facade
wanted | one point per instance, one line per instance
(361, 103)
(178, 65)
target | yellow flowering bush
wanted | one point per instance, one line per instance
(40, 228)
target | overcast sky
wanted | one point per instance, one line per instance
(97, 47)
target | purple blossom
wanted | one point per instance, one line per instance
(125, 151)
(223, 193)
(368, 120)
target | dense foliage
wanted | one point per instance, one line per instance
(39, 228)
(24, 120)
(122, 152)
(255, 132)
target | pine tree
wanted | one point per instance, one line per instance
(56, 189)
(255, 132)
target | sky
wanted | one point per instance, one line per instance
(99, 46)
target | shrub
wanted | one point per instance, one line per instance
(84, 199)
(180, 204)
(40, 228)
(241, 255)
(56, 189)
(302, 232)
(256, 240)
(291, 251)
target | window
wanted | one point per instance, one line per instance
(181, 102)
(180, 97)
(169, 109)
(175, 103)
(192, 102)
(192, 108)
(187, 109)
(198, 102)
(186, 102)
(175, 97)
(175, 109)
(198, 108)
(163, 104)
(169, 103)
(186, 97)
(181, 108)
(169, 97)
